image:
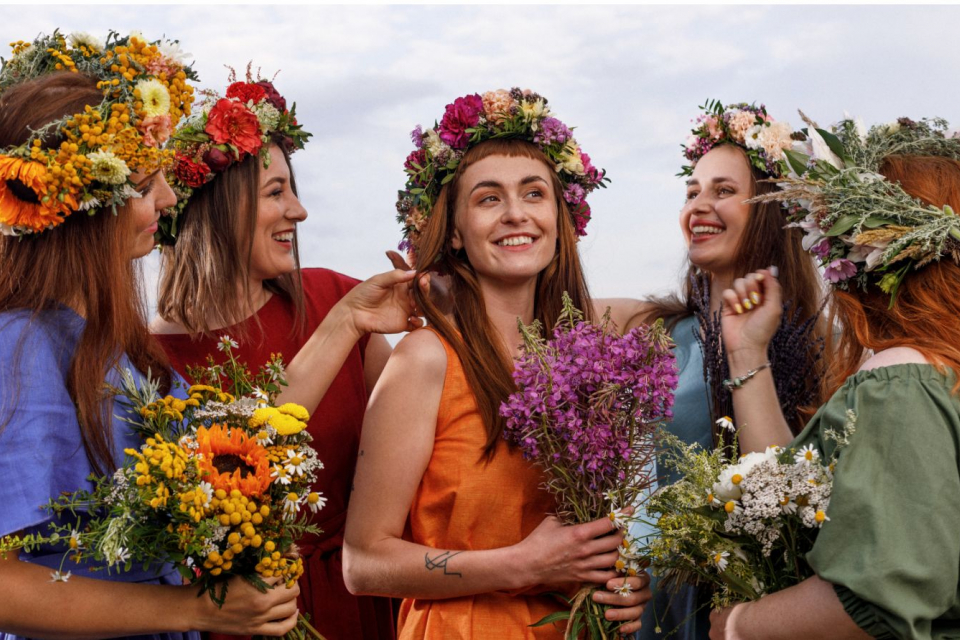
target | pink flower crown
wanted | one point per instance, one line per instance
(470, 120)
(744, 125)
(228, 130)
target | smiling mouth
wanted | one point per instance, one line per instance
(703, 230)
(286, 236)
(515, 241)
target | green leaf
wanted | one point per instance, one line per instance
(797, 161)
(875, 221)
(447, 178)
(417, 190)
(841, 226)
(739, 585)
(834, 143)
(550, 619)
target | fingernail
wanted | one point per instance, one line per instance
(774, 271)
(747, 304)
(738, 308)
(755, 297)
(759, 277)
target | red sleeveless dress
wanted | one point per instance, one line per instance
(335, 427)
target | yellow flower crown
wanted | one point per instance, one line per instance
(145, 93)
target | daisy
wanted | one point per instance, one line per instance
(820, 516)
(807, 455)
(75, 542)
(226, 342)
(280, 474)
(260, 394)
(720, 559)
(316, 501)
(291, 504)
(625, 589)
(294, 463)
(57, 576)
(121, 555)
(726, 423)
(618, 518)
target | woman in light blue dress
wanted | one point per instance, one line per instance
(71, 317)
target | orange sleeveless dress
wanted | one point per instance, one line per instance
(463, 503)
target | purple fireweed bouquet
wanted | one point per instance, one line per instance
(587, 405)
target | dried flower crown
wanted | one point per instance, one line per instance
(145, 92)
(860, 225)
(227, 130)
(745, 125)
(470, 120)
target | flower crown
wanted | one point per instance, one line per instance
(470, 120)
(224, 131)
(860, 225)
(744, 125)
(145, 92)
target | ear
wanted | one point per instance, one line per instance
(456, 241)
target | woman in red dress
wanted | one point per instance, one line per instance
(231, 268)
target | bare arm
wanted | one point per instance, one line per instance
(810, 609)
(89, 608)
(747, 331)
(382, 304)
(400, 424)
(375, 359)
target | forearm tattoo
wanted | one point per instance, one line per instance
(440, 561)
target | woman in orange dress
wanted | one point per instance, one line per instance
(445, 513)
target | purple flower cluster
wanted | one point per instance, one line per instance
(552, 130)
(586, 397)
(463, 114)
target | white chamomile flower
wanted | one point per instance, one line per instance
(205, 489)
(787, 505)
(264, 438)
(295, 463)
(610, 496)
(726, 423)
(79, 39)
(712, 499)
(226, 342)
(260, 394)
(291, 504)
(807, 455)
(172, 51)
(280, 474)
(58, 576)
(75, 542)
(820, 517)
(316, 501)
(618, 518)
(120, 556)
(624, 589)
(720, 560)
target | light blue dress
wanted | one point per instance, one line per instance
(41, 452)
(681, 615)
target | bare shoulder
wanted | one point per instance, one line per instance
(896, 355)
(420, 352)
(628, 313)
(160, 326)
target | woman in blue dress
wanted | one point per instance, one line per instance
(71, 316)
(732, 151)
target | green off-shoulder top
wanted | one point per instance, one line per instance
(891, 546)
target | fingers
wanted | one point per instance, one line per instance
(751, 291)
(397, 261)
(392, 278)
(279, 627)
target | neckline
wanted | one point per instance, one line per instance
(214, 333)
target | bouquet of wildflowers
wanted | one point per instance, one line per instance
(220, 486)
(742, 528)
(587, 403)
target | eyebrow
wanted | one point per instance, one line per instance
(146, 179)
(718, 180)
(493, 183)
(279, 179)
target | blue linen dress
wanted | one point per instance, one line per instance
(41, 451)
(682, 615)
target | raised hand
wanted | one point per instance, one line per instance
(383, 304)
(751, 313)
(431, 284)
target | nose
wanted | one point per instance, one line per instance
(165, 196)
(513, 211)
(295, 210)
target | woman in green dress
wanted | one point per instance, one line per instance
(887, 557)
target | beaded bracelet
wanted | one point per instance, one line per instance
(736, 383)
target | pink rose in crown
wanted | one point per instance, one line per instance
(156, 130)
(230, 122)
(273, 96)
(463, 114)
(245, 92)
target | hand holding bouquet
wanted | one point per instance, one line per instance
(587, 403)
(220, 486)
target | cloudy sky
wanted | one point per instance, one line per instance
(629, 78)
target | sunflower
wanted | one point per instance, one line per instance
(232, 460)
(22, 189)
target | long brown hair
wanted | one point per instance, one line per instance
(198, 276)
(83, 263)
(485, 359)
(926, 314)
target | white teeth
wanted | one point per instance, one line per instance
(284, 237)
(706, 229)
(515, 241)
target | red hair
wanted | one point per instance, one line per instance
(926, 314)
(83, 263)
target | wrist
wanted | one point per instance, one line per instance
(735, 623)
(746, 359)
(342, 321)
(517, 568)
